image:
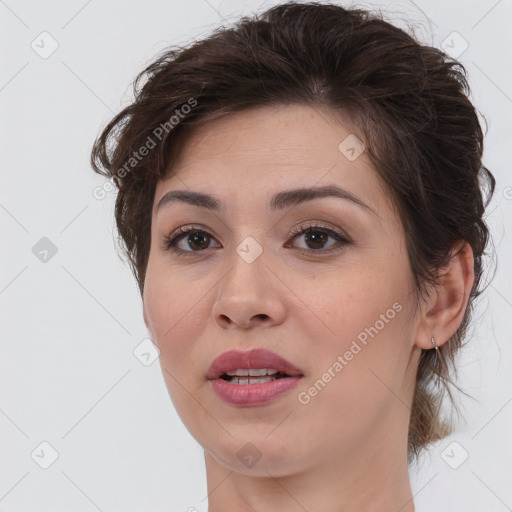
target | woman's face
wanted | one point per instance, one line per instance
(336, 302)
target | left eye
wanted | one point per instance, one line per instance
(198, 240)
(316, 237)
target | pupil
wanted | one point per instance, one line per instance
(319, 236)
(198, 236)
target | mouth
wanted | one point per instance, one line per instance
(248, 377)
(252, 364)
(252, 378)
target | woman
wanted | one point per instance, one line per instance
(301, 200)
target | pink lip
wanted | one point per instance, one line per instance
(252, 394)
(255, 358)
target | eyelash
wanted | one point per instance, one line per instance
(169, 243)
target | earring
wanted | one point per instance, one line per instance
(435, 346)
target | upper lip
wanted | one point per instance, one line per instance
(255, 358)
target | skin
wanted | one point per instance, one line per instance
(345, 450)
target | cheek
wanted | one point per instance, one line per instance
(347, 304)
(364, 319)
(174, 309)
(176, 312)
(368, 323)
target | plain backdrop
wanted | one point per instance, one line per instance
(85, 421)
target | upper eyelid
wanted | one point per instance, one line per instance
(303, 226)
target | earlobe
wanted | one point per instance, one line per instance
(449, 300)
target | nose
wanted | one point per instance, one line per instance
(249, 295)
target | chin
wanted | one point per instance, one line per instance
(258, 456)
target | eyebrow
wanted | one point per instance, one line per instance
(279, 201)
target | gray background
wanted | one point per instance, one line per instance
(71, 321)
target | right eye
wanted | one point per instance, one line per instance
(197, 240)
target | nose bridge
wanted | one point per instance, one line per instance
(247, 265)
(246, 293)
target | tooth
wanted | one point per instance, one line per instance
(249, 381)
(253, 372)
(242, 372)
(265, 379)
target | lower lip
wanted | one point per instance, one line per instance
(253, 394)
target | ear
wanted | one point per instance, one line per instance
(444, 310)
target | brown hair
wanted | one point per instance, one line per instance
(406, 101)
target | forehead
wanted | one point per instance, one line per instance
(260, 151)
(275, 134)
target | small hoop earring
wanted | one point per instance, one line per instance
(435, 346)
